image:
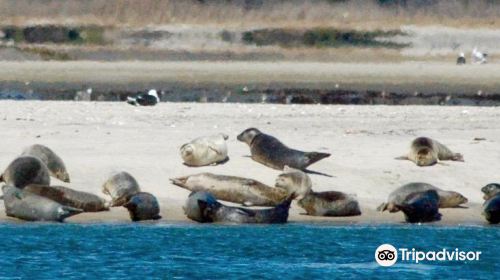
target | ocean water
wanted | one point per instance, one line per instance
(192, 251)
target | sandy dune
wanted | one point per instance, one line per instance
(95, 139)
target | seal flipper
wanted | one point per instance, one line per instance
(457, 157)
(1, 178)
(402, 158)
(67, 211)
(313, 157)
(180, 182)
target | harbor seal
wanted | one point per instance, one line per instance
(203, 151)
(66, 196)
(120, 186)
(447, 199)
(490, 190)
(53, 162)
(233, 189)
(270, 152)
(425, 151)
(143, 206)
(294, 181)
(26, 170)
(491, 209)
(31, 207)
(421, 207)
(330, 203)
(203, 207)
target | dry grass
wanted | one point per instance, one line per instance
(364, 14)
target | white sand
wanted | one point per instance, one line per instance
(95, 139)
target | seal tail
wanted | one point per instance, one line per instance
(66, 211)
(180, 182)
(315, 156)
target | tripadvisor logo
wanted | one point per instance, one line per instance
(388, 255)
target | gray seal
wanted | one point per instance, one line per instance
(53, 162)
(490, 190)
(120, 186)
(425, 151)
(447, 199)
(31, 207)
(66, 196)
(270, 152)
(203, 207)
(244, 191)
(330, 203)
(143, 206)
(421, 207)
(26, 170)
(491, 209)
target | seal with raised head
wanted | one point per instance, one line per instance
(490, 190)
(271, 152)
(294, 181)
(66, 196)
(143, 206)
(447, 199)
(234, 189)
(203, 207)
(53, 162)
(120, 186)
(31, 207)
(491, 209)
(421, 207)
(330, 203)
(25, 170)
(425, 151)
(209, 150)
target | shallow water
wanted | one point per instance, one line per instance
(186, 251)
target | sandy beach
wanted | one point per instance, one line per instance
(98, 138)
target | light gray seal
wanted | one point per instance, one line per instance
(209, 150)
(120, 186)
(447, 199)
(26, 170)
(330, 203)
(244, 191)
(143, 206)
(66, 196)
(31, 207)
(425, 151)
(53, 162)
(271, 152)
(490, 190)
(203, 207)
(421, 207)
(491, 209)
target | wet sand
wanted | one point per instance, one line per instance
(98, 138)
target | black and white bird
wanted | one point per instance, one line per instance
(478, 57)
(144, 99)
(461, 59)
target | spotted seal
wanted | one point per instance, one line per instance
(53, 162)
(66, 196)
(25, 170)
(491, 209)
(330, 203)
(120, 186)
(490, 190)
(209, 150)
(270, 152)
(143, 206)
(425, 151)
(31, 207)
(421, 207)
(447, 199)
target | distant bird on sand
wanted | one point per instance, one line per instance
(478, 57)
(144, 99)
(461, 59)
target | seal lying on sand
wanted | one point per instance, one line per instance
(143, 206)
(233, 189)
(490, 190)
(491, 209)
(205, 150)
(120, 187)
(330, 203)
(271, 152)
(426, 152)
(447, 199)
(53, 162)
(65, 196)
(26, 170)
(31, 207)
(421, 207)
(204, 208)
(294, 181)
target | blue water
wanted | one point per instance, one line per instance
(187, 251)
